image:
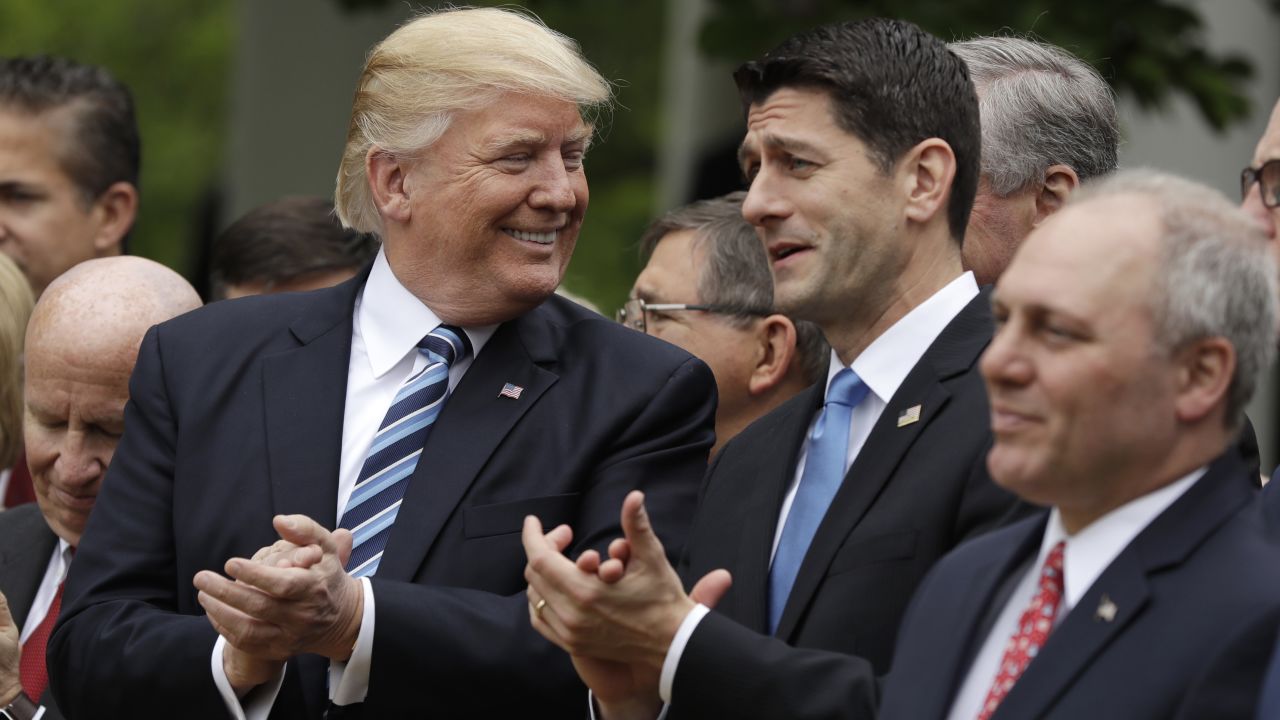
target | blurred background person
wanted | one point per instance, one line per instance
(706, 287)
(294, 243)
(1048, 124)
(81, 346)
(15, 308)
(69, 157)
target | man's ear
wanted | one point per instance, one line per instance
(928, 169)
(1059, 182)
(387, 173)
(775, 355)
(1206, 368)
(114, 211)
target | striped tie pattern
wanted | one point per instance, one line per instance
(393, 456)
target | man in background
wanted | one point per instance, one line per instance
(82, 342)
(706, 287)
(1048, 124)
(295, 243)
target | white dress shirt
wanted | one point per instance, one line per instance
(387, 324)
(1085, 556)
(883, 365)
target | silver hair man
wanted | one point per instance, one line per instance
(1048, 124)
(1217, 277)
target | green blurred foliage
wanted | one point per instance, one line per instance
(175, 57)
(1150, 50)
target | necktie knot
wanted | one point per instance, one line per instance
(446, 344)
(1051, 572)
(846, 389)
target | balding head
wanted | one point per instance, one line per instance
(82, 342)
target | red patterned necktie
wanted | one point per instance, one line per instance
(1033, 630)
(31, 670)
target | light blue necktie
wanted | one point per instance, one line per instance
(393, 456)
(823, 473)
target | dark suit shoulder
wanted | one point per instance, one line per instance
(569, 335)
(23, 521)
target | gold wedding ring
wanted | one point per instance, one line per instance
(538, 606)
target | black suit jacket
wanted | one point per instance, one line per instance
(1199, 571)
(236, 414)
(910, 496)
(26, 544)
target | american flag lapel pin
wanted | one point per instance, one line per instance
(511, 391)
(1106, 610)
(908, 416)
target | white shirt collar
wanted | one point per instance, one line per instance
(391, 320)
(887, 360)
(1088, 553)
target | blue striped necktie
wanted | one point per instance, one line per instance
(823, 473)
(393, 456)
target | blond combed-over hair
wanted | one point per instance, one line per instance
(15, 310)
(444, 62)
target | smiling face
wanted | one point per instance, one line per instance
(74, 417)
(494, 210)
(1082, 403)
(829, 217)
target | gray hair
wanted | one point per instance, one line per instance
(736, 274)
(1040, 106)
(15, 308)
(446, 62)
(1217, 276)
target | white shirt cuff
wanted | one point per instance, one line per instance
(591, 707)
(256, 704)
(672, 661)
(349, 681)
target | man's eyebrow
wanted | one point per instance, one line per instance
(792, 146)
(528, 138)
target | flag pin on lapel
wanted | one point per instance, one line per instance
(511, 391)
(1106, 610)
(908, 416)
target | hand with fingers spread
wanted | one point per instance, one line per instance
(10, 655)
(615, 617)
(294, 596)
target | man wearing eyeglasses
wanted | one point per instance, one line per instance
(1260, 182)
(706, 288)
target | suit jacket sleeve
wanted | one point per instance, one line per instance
(484, 651)
(124, 605)
(772, 679)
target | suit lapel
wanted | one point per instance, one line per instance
(304, 393)
(952, 354)
(473, 423)
(24, 559)
(1164, 544)
(768, 488)
(972, 604)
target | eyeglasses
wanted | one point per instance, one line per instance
(633, 312)
(1268, 177)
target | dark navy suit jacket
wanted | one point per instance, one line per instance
(915, 491)
(1198, 572)
(26, 544)
(236, 414)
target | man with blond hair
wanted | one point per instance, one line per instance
(81, 346)
(278, 438)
